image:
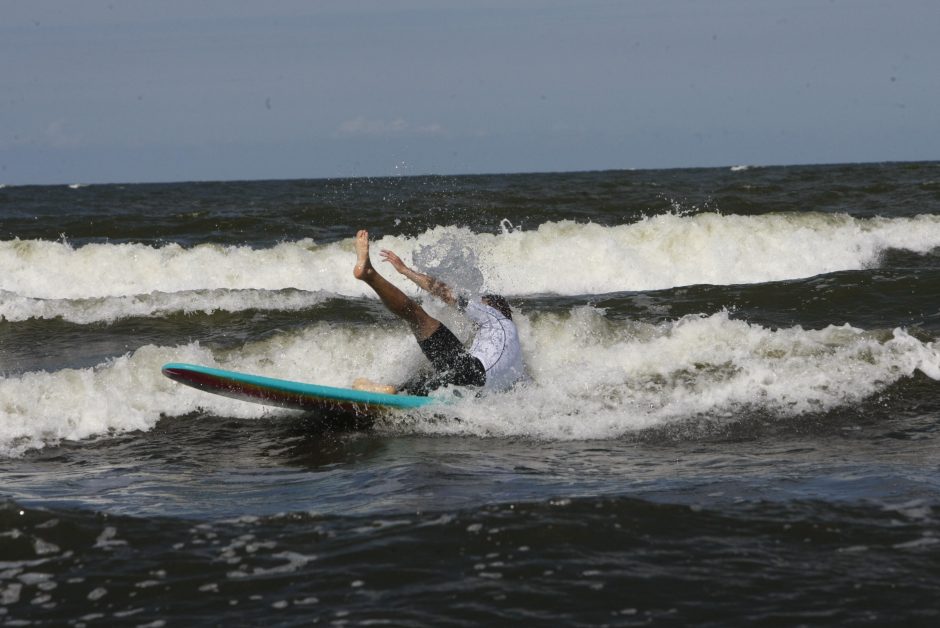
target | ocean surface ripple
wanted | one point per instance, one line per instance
(733, 414)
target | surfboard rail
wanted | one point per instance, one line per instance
(286, 393)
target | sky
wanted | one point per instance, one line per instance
(103, 91)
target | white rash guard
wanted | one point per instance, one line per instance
(496, 345)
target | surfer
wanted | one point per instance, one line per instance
(494, 360)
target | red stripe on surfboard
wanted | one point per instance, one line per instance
(213, 383)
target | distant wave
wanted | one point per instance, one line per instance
(565, 258)
(593, 378)
(16, 308)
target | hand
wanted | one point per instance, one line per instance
(394, 260)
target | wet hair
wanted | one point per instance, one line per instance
(498, 302)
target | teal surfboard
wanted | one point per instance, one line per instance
(288, 394)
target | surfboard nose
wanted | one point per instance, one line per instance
(175, 371)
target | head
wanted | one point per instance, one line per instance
(499, 303)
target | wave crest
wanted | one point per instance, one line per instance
(563, 257)
(592, 378)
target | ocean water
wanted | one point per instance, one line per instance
(733, 415)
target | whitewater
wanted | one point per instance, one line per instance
(592, 376)
(733, 378)
(105, 282)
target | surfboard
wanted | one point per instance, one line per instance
(288, 394)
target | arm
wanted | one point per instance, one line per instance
(436, 287)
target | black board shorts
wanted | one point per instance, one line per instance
(452, 365)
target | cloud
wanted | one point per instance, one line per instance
(365, 127)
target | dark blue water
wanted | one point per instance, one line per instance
(733, 416)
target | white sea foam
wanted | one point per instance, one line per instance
(56, 270)
(594, 379)
(156, 304)
(564, 257)
(130, 393)
(591, 378)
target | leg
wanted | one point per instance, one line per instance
(361, 383)
(422, 324)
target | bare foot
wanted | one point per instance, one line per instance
(363, 269)
(368, 385)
